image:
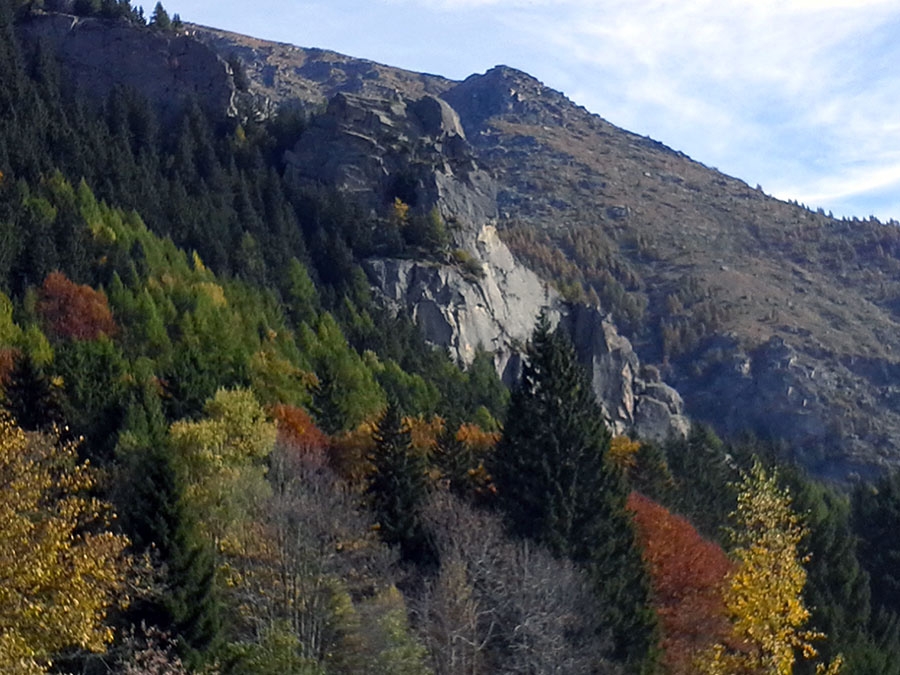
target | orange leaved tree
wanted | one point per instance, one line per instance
(686, 573)
(74, 311)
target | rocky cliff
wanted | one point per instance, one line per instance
(365, 146)
(168, 69)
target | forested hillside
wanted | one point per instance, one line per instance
(220, 453)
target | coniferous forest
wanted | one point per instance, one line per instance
(219, 453)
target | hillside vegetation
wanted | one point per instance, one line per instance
(220, 453)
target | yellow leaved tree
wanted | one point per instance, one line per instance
(61, 569)
(223, 458)
(764, 592)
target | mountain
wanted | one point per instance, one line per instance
(766, 317)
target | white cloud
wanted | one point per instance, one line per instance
(778, 92)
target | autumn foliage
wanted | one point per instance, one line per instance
(349, 451)
(298, 434)
(74, 311)
(623, 452)
(7, 363)
(687, 573)
(62, 568)
(763, 594)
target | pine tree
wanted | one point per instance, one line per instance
(397, 486)
(556, 486)
(30, 396)
(160, 18)
(156, 517)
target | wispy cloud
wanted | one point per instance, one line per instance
(797, 94)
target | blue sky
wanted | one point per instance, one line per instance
(800, 96)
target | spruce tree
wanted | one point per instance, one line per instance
(160, 18)
(704, 488)
(876, 518)
(30, 396)
(150, 493)
(454, 460)
(837, 589)
(397, 486)
(556, 486)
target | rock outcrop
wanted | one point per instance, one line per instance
(376, 149)
(497, 313)
(779, 392)
(97, 55)
(633, 398)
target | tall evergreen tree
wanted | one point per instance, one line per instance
(555, 485)
(30, 396)
(160, 18)
(704, 489)
(876, 520)
(397, 486)
(837, 589)
(150, 491)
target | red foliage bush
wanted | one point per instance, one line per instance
(687, 573)
(74, 311)
(8, 358)
(300, 436)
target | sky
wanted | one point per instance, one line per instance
(801, 97)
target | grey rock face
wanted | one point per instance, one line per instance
(780, 392)
(497, 313)
(505, 91)
(630, 401)
(380, 148)
(100, 54)
(362, 146)
(307, 79)
(453, 311)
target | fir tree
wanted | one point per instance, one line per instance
(156, 518)
(556, 486)
(30, 396)
(397, 486)
(160, 18)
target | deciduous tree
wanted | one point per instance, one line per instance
(504, 604)
(61, 568)
(74, 311)
(763, 593)
(687, 574)
(222, 457)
